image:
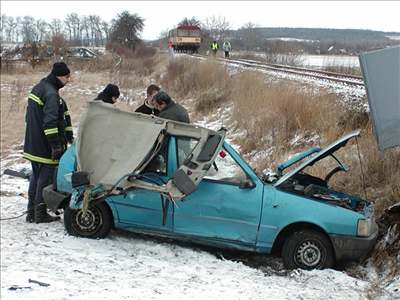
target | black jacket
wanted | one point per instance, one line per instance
(102, 96)
(48, 122)
(144, 109)
(175, 111)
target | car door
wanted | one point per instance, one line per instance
(145, 208)
(226, 206)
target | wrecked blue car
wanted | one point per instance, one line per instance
(149, 175)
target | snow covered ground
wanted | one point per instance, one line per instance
(330, 60)
(40, 261)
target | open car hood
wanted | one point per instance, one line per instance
(115, 146)
(330, 149)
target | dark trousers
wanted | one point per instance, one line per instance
(42, 176)
(226, 54)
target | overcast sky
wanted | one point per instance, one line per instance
(162, 15)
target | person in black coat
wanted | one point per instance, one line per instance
(148, 107)
(48, 130)
(109, 95)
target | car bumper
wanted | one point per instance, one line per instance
(353, 248)
(54, 200)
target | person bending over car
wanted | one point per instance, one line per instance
(110, 94)
(169, 109)
(148, 106)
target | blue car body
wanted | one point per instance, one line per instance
(256, 217)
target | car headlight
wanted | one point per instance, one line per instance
(364, 227)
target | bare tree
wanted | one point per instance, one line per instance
(12, 29)
(216, 27)
(106, 29)
(3, 27)
(6, 27)
(75, 24)
(56, 27)
(41, 30)
(85, 27)
(249, 33)
(28, 29)
(69, 27)
(18, 29)
(95, 30)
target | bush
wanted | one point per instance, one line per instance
(210, 101)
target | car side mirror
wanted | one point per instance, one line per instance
(246, 184)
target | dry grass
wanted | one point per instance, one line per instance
(279, 111)
(188, 77)
(210, 101)
(22, 67)
(14, 91)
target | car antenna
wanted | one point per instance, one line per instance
(362, 171)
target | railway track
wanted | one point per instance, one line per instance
(312, 73)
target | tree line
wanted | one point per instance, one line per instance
(75, 30)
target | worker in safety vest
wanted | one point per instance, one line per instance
(214, 48)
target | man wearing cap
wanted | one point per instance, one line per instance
(169, 109)
(48, 130)
(109, 95)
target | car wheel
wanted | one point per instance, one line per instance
(96, 223)
(307, 249)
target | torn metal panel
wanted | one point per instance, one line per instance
(381, 71)
(111, 143)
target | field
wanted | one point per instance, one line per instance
(268, 120)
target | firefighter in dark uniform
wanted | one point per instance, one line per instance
(48, 130)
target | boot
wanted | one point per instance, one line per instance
(30, 215)
(41, 215)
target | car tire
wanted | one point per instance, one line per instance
(307, 249)
(96, 223)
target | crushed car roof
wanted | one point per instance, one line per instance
(113, 143)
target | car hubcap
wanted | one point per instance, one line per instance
(308, 254)
(88, 222)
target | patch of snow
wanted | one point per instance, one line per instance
(330, 60)
(393, 37)
(289, 39)
(301, 139)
